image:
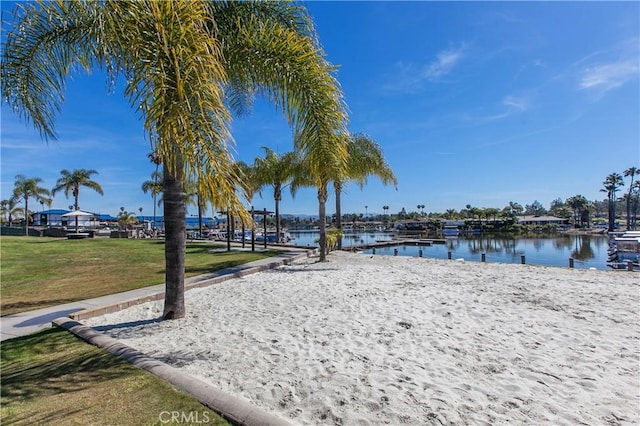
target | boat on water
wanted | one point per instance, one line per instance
(285, 237)
(624, 248)
(450, 231)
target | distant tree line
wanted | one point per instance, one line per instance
(577, 208)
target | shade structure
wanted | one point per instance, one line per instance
(77, 213)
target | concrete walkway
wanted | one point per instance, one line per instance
(32, 321)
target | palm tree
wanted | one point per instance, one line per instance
(278, 172)
(635, 195)
(126, 219)
(612, 184)
(577, 204)
(154, 186)
(10, 208)
(71, 183)
(631, 172)
(365, 159)
(185, 63)
(26, 188)
(249, 181)
(515, 208)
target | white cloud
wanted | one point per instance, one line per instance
(444, 63)
(411, 78)
(515, 103)
(610, 75)
(510, 105)
(605, 70)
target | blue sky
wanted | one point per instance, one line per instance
(477, 103)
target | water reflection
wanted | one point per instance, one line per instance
(583, 249)
(587, 250)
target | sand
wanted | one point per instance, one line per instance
(368, 340)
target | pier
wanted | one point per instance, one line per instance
(397, 242)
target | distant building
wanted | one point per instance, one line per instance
(542, 220)
(53, 219)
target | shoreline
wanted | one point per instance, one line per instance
(373, 339)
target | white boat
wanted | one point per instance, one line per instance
(450, 231)
(624, 248)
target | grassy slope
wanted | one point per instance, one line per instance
(39, 272)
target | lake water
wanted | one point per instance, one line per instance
(588, 251)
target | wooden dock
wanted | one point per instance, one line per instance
(424, 242)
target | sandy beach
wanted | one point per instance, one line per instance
(369, 340)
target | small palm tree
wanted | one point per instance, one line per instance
(71, 182)
(154, 186)
(365, 159)
(577, 203)
(126, 219)
(26, 188)
(516, 208)
(10, 209)
(612, 184)
(630, 172)
(278, 172)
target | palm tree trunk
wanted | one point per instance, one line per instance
(612, 213)
(277, 197)
(26, 216)
(628, 213)
(338, 188)
(77, 207)
(322, 201)
(199, 216)
(175, 243)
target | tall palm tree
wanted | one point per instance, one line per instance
(299, 80)
(278, 171)
(630, 172)
(365, 159)
(26, 188)
(612, 184)
(71, 182)
(185, 64)
(278, 37)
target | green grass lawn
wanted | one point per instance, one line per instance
(52, 377)
(37, 272)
